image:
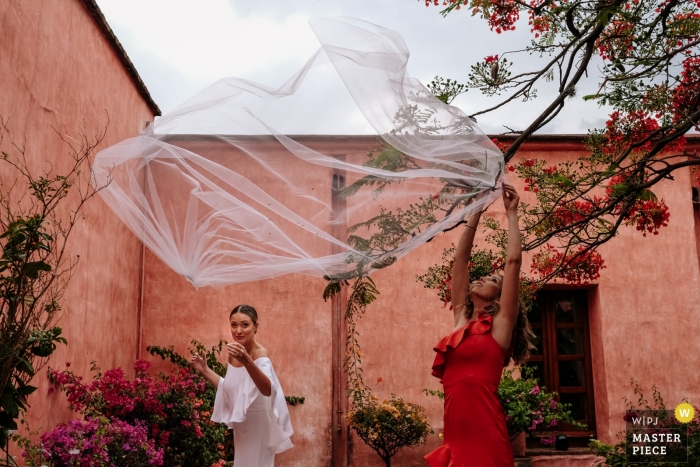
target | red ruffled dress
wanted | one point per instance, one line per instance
(469, 363)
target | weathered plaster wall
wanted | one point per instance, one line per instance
(58, 71)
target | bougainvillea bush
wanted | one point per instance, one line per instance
(174, 408)
(95, 442)
(530, 408)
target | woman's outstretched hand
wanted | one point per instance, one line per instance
(199, 363)
(511, 199)
(238, 352)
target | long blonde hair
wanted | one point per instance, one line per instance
(522, 333)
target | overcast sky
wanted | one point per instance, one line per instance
(181, 46)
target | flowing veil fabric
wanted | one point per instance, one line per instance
(221, 197)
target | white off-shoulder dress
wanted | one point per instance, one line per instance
(261, 425)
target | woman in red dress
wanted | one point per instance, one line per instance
(489, 330)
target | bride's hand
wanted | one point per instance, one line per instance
(199, 363)
(238, 352)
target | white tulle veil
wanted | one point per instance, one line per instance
(221, 197)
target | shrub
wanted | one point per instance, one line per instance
(390, 425)
(530, 408)
(95, 442)
(174, 407)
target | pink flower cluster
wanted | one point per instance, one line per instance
(99, 442)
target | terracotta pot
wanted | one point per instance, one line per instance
(518, 445)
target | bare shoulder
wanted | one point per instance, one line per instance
(260, 352)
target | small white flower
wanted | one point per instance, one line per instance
(74, 452)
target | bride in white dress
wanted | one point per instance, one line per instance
(249, 399)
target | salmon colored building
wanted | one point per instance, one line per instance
(63, 71)
(638, 321)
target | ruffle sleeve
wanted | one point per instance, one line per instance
(237, 391)
(480, 326)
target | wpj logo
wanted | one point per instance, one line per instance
(658, 436)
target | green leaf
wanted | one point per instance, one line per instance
(25, 367)
(648, 195)
(331, 289)
(32, 269)
(8, 402)
(26, 390)
(7, 422)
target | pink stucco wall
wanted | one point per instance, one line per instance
(57, 70)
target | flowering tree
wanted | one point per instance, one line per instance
(650, 76)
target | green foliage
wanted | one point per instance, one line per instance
(446, 89)
(529, 407)
(431, 392)
(294, 400)
(211, 355)
(364, 292)
(377, 238)
(390, 425)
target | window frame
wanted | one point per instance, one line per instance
(546, 300)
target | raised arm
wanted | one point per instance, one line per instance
(507, 317)
(460, 268)
(200, 365)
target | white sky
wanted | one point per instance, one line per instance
(181, 46)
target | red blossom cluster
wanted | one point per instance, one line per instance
(616, 41)
(648, 215)
(539, 23)
(500, 14)
(566, 214)
(633, 128)
(491, 59)
(581, 268)
(685, 96)
(501, 146)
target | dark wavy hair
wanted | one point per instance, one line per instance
(523, 331)
(247, 310)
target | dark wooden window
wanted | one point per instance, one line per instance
(562, 360)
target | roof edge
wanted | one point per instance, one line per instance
(101, 21)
